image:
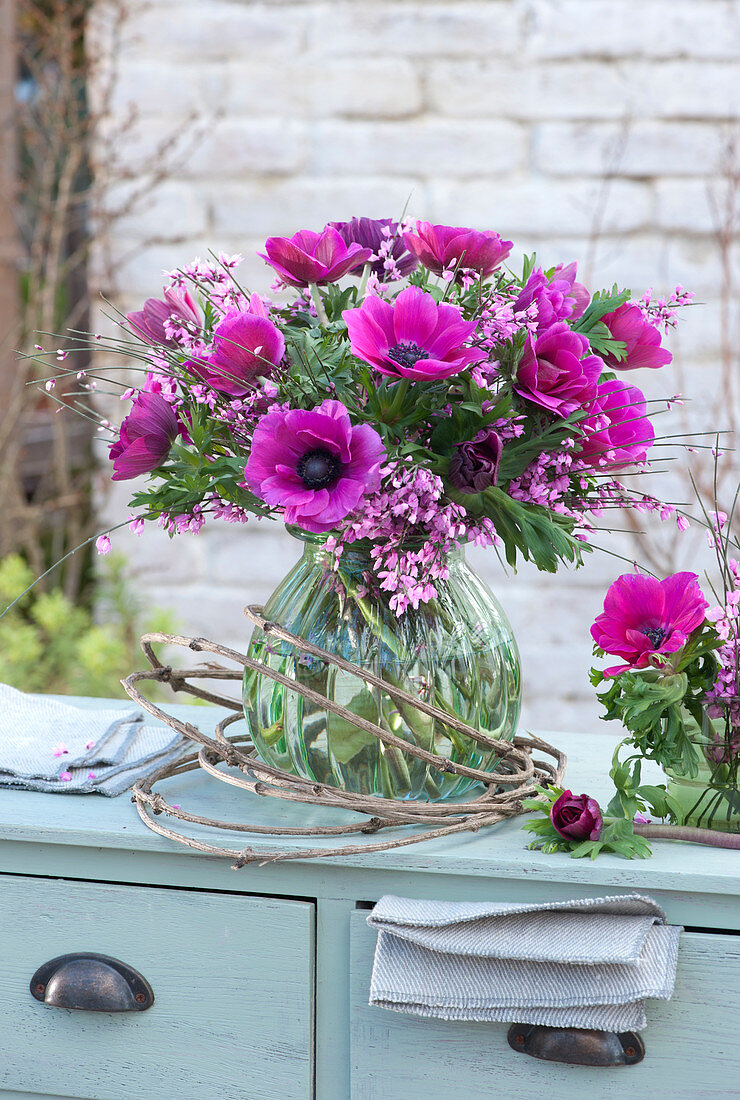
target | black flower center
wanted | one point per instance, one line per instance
(319, 469)
(407, 353)
(656, 634)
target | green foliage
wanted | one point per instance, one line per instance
(591, 326)
(662, 708)
(47, 644)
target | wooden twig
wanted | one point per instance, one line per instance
(514, 778)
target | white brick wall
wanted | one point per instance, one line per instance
(504, 114)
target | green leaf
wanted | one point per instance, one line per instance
(346, 740)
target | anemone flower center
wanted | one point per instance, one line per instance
(656, 634)
(407, 353)
(319, 469)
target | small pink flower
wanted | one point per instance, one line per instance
(91, 775)
(65, 777)
(90, 745)
(61, 749)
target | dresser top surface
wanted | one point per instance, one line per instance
(88, 821)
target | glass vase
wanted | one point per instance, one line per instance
(457, 651)
(710, 799)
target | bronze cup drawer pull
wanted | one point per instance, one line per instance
(577, 1046)
(94, 983)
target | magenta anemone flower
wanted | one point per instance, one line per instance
(413, 338)
(642, 339)
(443, 247)
(315, 464)
(391, 258)
(149, 323)
(554, 371)
(309, 257)
(557, 298)
(246, 346)
(643, 617)
(145, 438)
(618, 430)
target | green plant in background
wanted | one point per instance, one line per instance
(49, 644)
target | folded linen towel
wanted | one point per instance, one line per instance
(586, 963)
(47, 745)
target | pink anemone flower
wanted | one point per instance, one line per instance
(315, 464)
(413, 338)
(644, 617)
(557, 298)
(642, 340)
(309, 257)
(246, 346)
(149, 322)
(618, 431)
(145, 438)
(555, 373)
(443, 247)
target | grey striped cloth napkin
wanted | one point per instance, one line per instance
(48, 745)
(588, 963)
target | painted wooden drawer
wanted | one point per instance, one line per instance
(232, 977)
(692, 1047)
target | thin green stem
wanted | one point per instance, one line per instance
(363, 281)
(318, 303)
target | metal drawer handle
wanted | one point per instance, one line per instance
(95, 983)
(577, 1046)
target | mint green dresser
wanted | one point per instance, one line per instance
(260, 976)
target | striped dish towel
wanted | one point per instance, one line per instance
(52, 746)
(588, 963)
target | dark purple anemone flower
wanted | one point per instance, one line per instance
(557, 298)
(149, 322)
(309, 257)
(576, 816)
(443, 247)
(618, 431)
(246, 346)
(644, 616)
(641, 339)
(314, 463)
(145, 438)
(381, 236)
(413, 338)
(474, 465)
(555, 372)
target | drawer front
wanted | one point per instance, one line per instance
(691, 1042)
(232, 979)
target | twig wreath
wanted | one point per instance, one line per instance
(515, 778)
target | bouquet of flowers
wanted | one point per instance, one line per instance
(413, 395)
(677, 694)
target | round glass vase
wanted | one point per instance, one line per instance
(457, 651)
(710, 799)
